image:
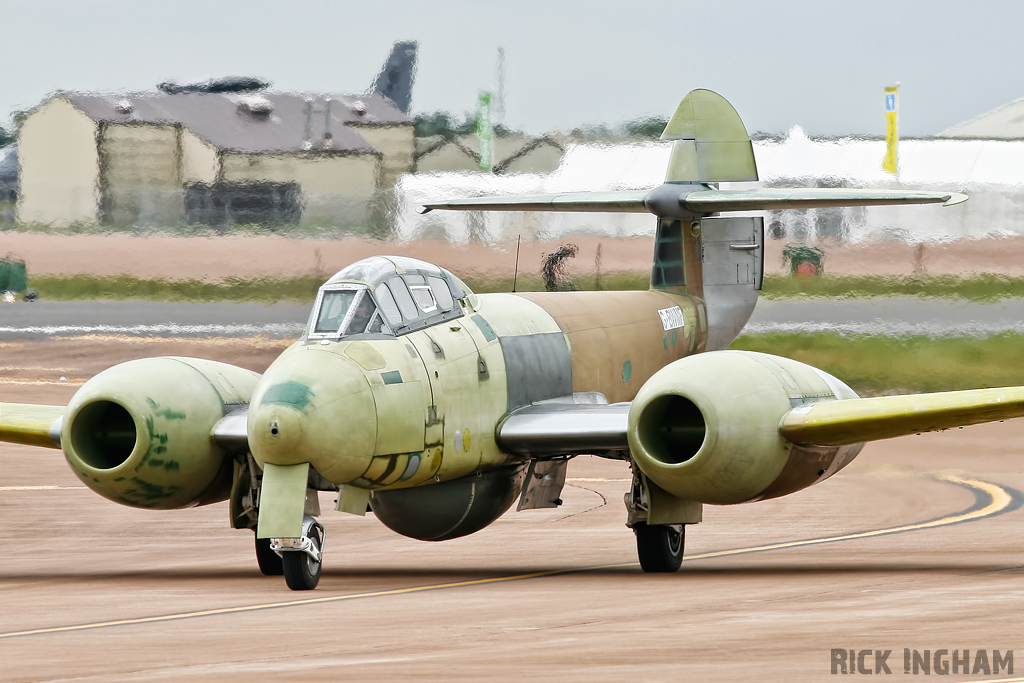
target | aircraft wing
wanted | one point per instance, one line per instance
(39, 425)
(669, 199)
(29, 424)
(552, 429)
(837, 423)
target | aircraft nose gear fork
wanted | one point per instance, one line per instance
(302, 558)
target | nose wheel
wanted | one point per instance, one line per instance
(660, 546)
(269, 562)
(301, 558)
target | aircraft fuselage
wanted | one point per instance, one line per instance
(398, 412)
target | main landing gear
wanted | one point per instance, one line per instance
(658, 546)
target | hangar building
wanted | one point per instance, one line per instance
(211, 158)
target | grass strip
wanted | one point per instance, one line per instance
(300, 289)
(874, 365)
(981, 288)
(984, 287)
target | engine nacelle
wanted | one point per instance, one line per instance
(139, 433)
(451, 509)
(706, 427)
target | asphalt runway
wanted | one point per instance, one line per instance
(891, 316)
(916, 545)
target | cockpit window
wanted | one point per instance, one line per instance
(333, 309)
(387, 295)
(388, 305)
(346, 310)
(404, 298)
(423, 298)
(362, 314)
(442, 293)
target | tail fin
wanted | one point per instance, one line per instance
(397, 75)
(711, 142)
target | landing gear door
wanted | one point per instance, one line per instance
(733, 251)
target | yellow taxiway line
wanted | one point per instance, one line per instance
(1000, 500)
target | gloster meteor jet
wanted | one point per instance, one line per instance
(438, 409)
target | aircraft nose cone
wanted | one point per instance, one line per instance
(314, 406)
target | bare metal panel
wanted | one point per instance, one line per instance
(538, 368)
(733, 255)
(554, 428)
(543, 485)
(231, 432)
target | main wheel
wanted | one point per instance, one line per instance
(302, 572)
(269, 561)
(660, 546)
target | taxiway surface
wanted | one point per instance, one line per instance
(93, 591)
(885, 315)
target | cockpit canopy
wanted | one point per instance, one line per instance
(385, 296)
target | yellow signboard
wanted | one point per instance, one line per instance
(892, 137)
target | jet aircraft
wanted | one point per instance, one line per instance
(438, 409)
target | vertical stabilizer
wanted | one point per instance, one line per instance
(397, 75)
(711, 142)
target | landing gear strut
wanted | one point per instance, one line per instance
(660, 546)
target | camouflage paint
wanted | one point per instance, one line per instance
(607, 329)
(740, 455)
(173, 461)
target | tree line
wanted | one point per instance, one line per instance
(449, 126)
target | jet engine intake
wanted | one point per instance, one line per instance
(139, 433)
(706, 428)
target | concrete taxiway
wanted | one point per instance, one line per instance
(887, 315)
(916, 545)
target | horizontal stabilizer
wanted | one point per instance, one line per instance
(621, 202)
(692, 201)
(29, 424)
(712, 201)
(837, 423)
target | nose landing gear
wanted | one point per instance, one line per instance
(269, 561)
(301, 558)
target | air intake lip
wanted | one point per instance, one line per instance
(674, 429)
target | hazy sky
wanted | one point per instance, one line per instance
(819, 64)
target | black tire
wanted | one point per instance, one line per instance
(302, 572)
(269, 561)
(660, 546)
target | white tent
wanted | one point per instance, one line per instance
(990, 171)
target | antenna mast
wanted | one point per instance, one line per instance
(515, 274)
(499, 78)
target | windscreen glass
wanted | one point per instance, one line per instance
(364, 311)
(333, 310)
